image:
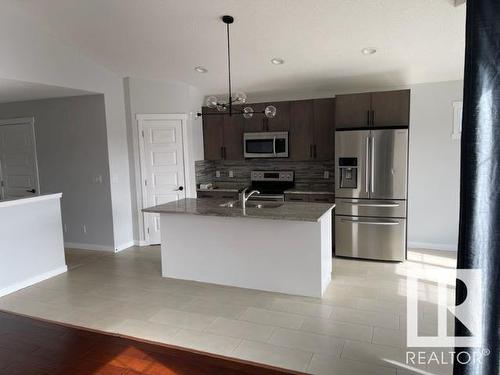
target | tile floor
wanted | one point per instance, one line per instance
(358, 328)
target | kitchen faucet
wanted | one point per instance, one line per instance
(245, 197)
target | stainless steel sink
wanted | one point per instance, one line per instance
(237, 204)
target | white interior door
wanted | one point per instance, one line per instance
(162, 164)
(18, 164)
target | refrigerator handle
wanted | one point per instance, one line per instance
(372, 168)
(367, 163)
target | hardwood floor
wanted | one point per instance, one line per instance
(29, 346)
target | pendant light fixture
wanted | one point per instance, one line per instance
(225, 106)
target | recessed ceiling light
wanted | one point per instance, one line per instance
(277, 61)
(201, 69)
(368, 51)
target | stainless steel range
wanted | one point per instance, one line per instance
(370, 193)
(271, 184)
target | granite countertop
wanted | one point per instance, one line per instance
(305, 191)
(295, 211)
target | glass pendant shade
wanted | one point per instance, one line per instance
(270, 111)
(248, 112)
(239, 98)
(212, 101)
(221, 106)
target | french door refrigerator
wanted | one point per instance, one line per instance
(370, 193)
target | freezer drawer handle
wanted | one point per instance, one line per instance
(371, 222)
(374, 204)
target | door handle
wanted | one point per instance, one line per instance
(372, 174)
(367, 162)
(31, 191)
(180, 188)
(370, 222)
(373, 204)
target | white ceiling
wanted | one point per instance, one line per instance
(18, 91)
(320, 40)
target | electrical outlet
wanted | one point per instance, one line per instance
(84, 228)
(231, 174)
(217, 174)
(326, 175)
(98, 179)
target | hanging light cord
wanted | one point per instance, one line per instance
(230, 99)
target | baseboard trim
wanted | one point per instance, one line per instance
(141, 243)
(32, 280)
(432, 246)
(88, 246)
(124, 246)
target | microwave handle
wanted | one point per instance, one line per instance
(274, 145)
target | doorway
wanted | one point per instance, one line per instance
(18, 160)
(162, 148)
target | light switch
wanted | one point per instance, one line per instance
(217, 174)
(231, 174)
(326, 175)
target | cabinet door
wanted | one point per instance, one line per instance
(213, 135)
(324, 129)
(233, 137)
(391, 108)
(352, 111)
(256, 123)
(301, 130)
(281, 122)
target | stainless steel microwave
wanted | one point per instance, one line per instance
(266, 145)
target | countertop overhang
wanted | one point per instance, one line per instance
(294, 211)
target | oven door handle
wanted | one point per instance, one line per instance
(274, 145)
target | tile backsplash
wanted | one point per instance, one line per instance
(309, 175)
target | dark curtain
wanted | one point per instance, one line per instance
(479, 238)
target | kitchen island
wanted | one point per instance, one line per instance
(279, 247)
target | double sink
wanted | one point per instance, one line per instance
(254, 204)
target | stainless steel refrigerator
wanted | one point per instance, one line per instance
(371, 193)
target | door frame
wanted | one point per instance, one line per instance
(22, 121)
(140, 167)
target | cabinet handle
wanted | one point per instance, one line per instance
(368, 117)
(222, 152)
(310, 151)
(373, 117)
(315, 152)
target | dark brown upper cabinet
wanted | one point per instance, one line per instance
(312, 127)
(377, 109)
(391, 108)
(352, 111)
(213, 135)
(222, 136)
(301, 137)
(324, 129)
(254, 124)
(280, 122)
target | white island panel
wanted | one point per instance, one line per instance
(291, 257)
(31, 241)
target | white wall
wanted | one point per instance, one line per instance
(31, 54)
(157, 97)
(434, 178)
(26, 260)
(72, 151)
